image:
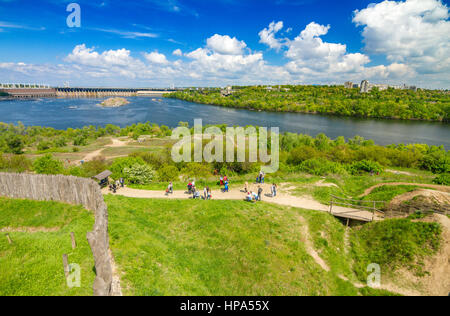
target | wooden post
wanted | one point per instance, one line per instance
(74, 243)
(374, 210)
(348, 222)
(66, 265)
(331, 207)
(9, 239)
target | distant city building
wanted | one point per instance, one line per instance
(227, 91)
(348, 85)
(366, 86)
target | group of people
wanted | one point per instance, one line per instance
(115, 185)
(257, 196)
(224, 182)
(261, 177)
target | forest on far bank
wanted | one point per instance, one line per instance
(426, 105)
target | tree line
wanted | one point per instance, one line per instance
(427, 105)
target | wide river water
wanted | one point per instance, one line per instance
(75, 113)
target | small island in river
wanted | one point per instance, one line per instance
(114, 102)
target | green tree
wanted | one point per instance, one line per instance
(47, 165)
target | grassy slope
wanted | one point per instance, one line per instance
(225, 248)
(32, 265)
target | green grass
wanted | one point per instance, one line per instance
(32, 264)
(395, 243)
(387, 193)
(182, 247)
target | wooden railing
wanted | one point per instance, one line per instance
(356, 204)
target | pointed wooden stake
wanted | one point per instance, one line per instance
(9, 239)
(66, 265)
(74, 243)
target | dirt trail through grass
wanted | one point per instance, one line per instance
(442, 188)
(115, 144)
(282, 198)
(309, 246)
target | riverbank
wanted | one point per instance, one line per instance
(63, 113)
(423, 105)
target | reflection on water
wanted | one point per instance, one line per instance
(75, 113)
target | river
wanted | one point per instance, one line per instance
(76, 113)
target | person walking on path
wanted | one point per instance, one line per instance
(260, 191)
(274, 190)
(246, 187)
(226, 189)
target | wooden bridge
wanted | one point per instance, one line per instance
(364, 211)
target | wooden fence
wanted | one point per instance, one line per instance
(72, 190)
(371, 206)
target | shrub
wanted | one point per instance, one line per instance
(365, 166)
(301, 154)
(322, 167)
(119, 165)
(80, 141)
(60, 142)
(48, 165)
(43, 146)
(168, 173)
(14, 163)
(437, 162)
(443, 179)
(14, 144)
(139, 174)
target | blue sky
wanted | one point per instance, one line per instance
(218, 42)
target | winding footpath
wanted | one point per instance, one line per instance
(282, 198)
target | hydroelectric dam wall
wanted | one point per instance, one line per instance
(48, 92)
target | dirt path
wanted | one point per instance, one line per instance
(441, 197)
(115, 144)
(305, 237)
(442, 188)
(237, 194)
(29, 230)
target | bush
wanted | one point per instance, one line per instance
(168, 173)
(139, 174)
(443, 179)
(365, 166)
(322, 167)
(437, 162)
(48, 165)
(60, 142)
(80, 141)
(15, 144)
(43, 146)
(119, 165)
(301, 154)
(14, 163)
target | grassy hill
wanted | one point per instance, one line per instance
(40, 231)
(185, 247)
(228, 248)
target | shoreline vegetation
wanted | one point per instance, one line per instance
(423, 105)
(146, 152)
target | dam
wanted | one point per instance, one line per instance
(22, 91)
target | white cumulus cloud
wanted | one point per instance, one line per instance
(225, 45)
